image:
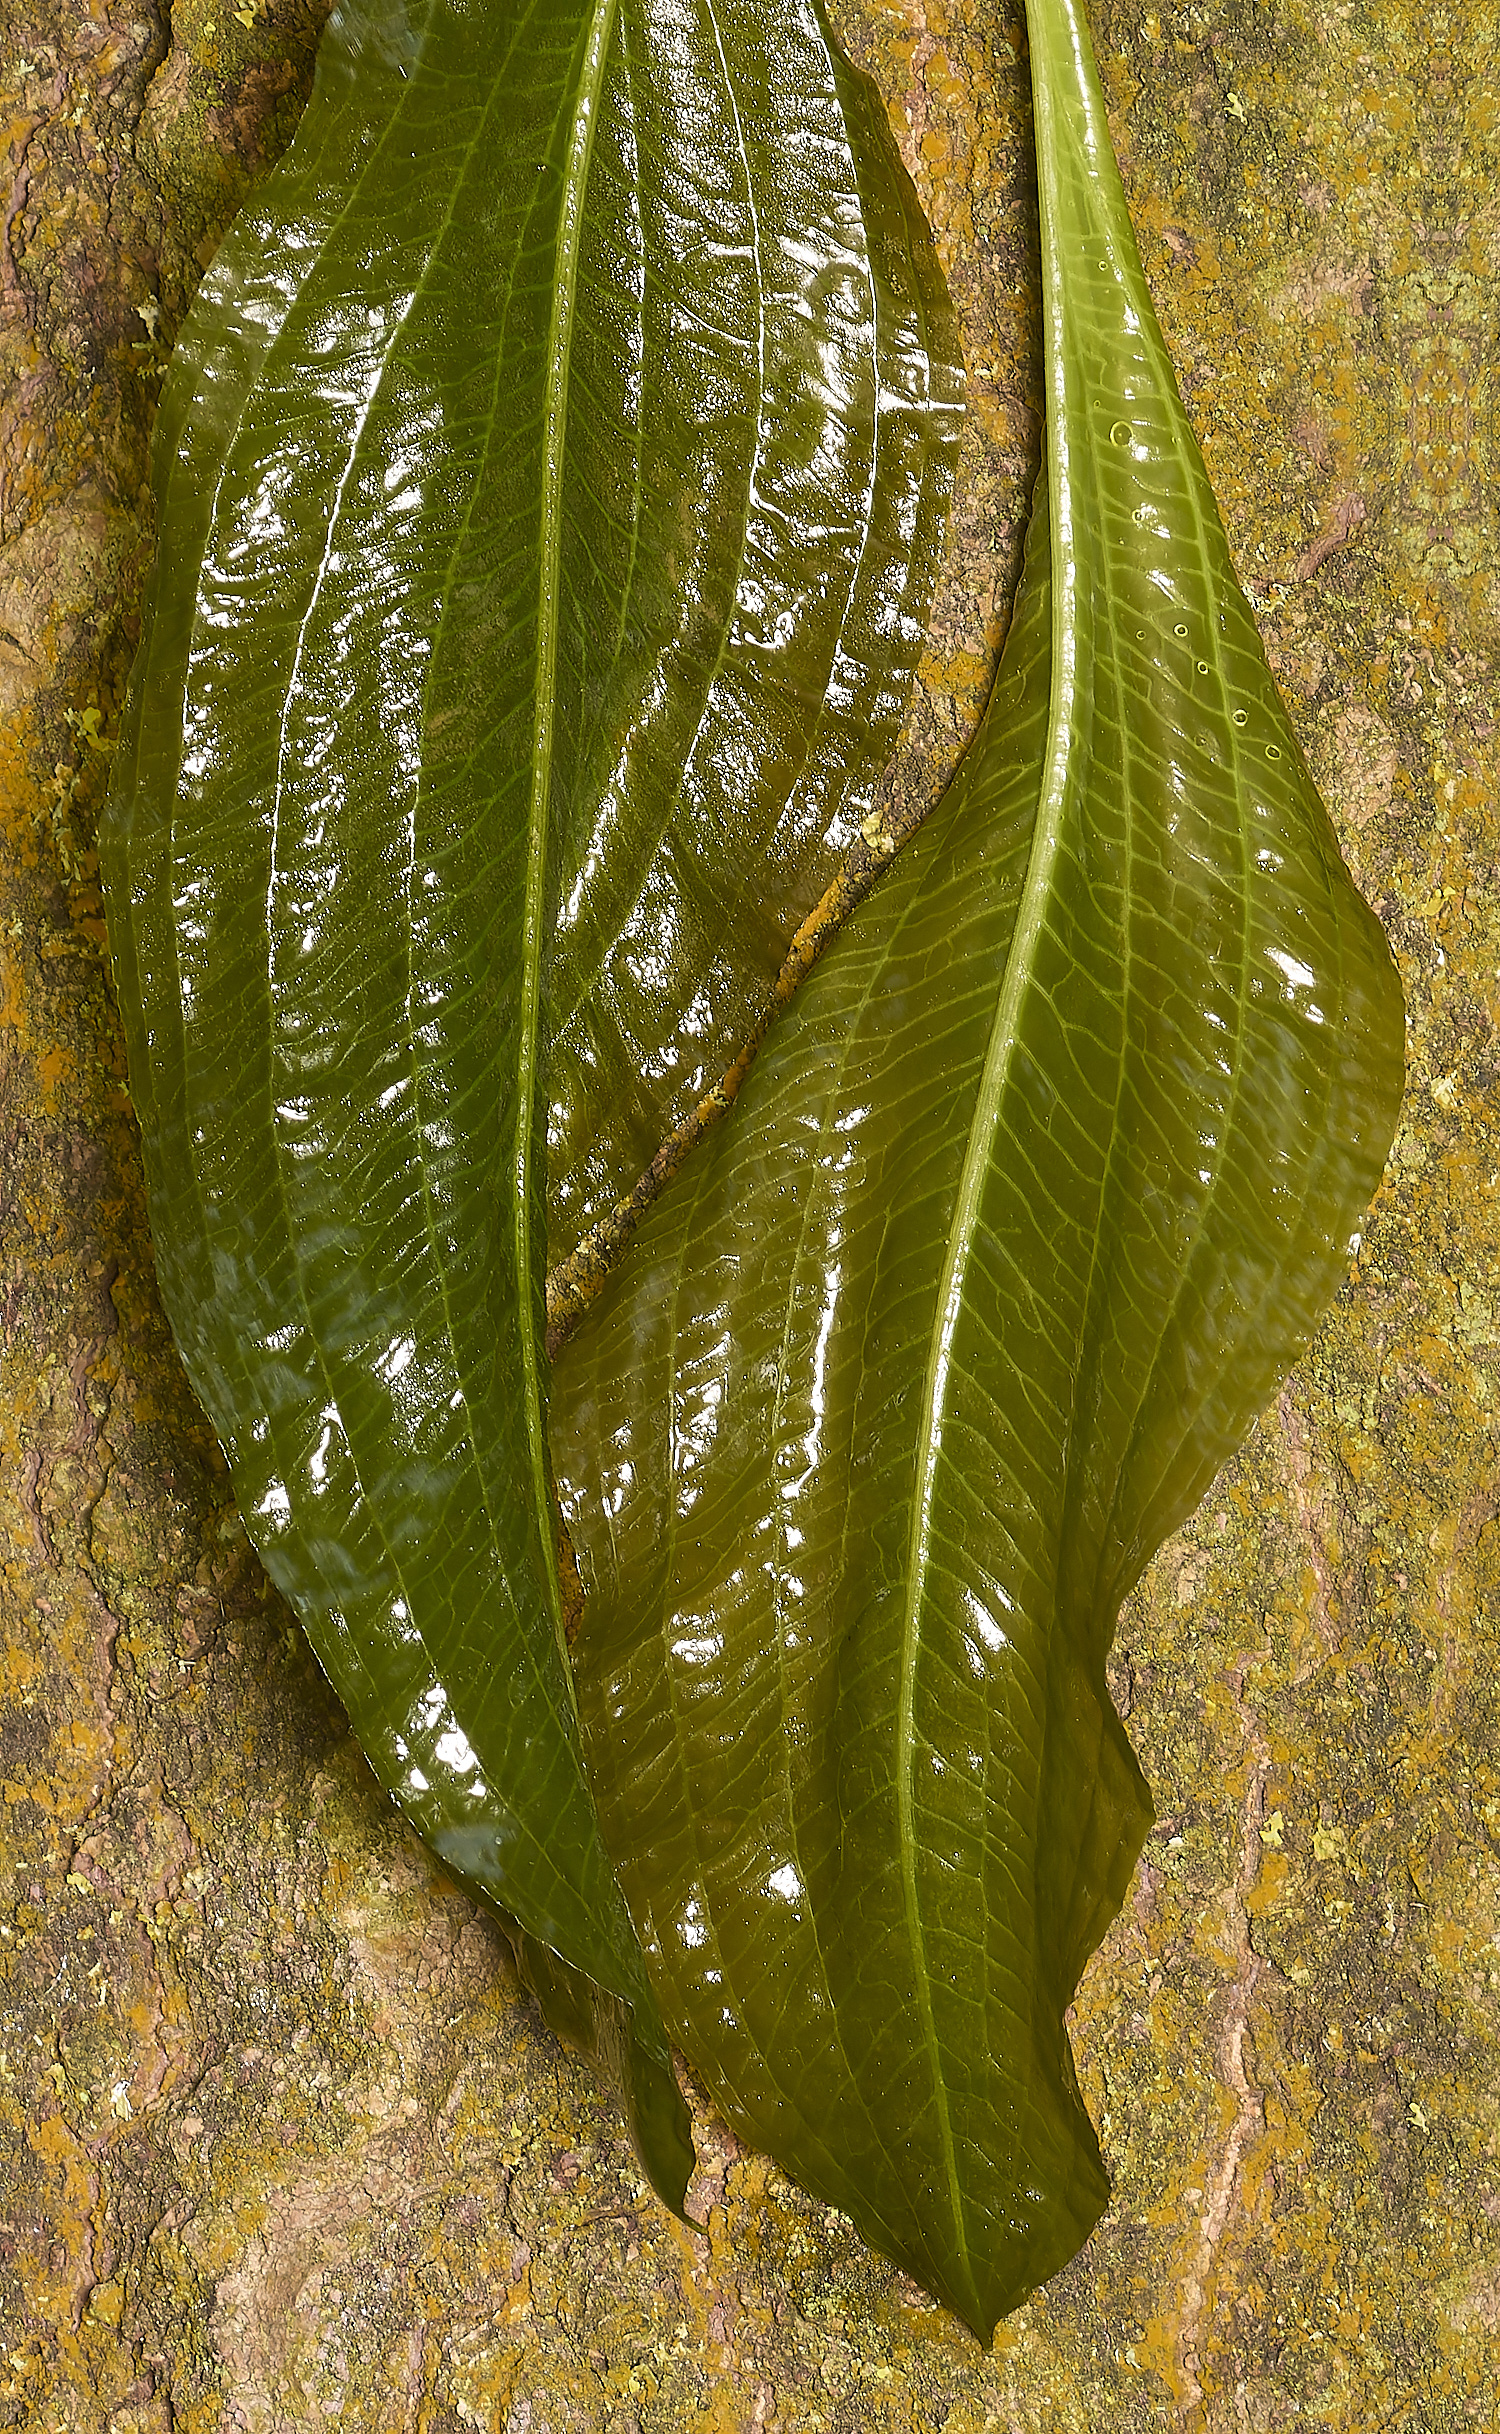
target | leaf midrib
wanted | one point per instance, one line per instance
(529, 1077)
(1052, 808)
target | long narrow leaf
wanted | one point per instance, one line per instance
(542, 421)
(1033, 1196)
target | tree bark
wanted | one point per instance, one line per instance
(282, 2143)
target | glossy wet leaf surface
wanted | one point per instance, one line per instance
(1033, 1196)
(549, 480)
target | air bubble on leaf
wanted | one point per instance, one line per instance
(1240, 717)
(1273, 752)
(1120, 434)
(1180, 629)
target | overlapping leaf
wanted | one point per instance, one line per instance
(549, 479)
(1032, 1197)
(792, 421)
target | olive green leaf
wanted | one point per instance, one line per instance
(549, 480)
(1036, 1191)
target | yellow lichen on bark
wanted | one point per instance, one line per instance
(281, 2142)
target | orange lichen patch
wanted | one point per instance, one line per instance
(51, 1068)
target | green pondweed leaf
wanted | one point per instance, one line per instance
(1034, 1194)
(549, 481)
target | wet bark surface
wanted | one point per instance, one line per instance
(282, 2143)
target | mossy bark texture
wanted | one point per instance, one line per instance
(282, 2144)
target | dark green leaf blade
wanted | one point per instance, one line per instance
(289, 916)
(447, 402)
(767, 628)
(1036, 1191)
